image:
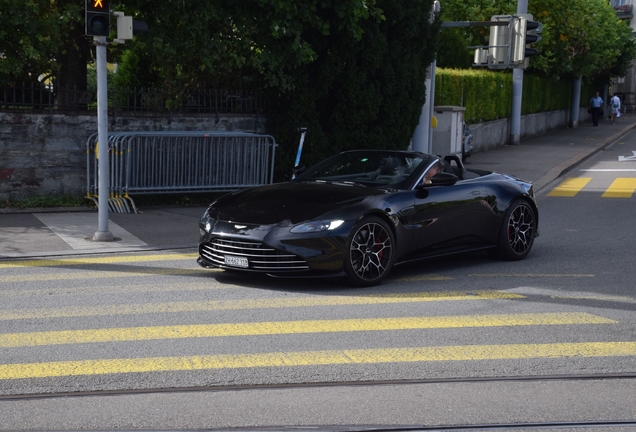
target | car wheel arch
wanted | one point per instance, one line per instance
(382, 215)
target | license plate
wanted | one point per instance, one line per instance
(236, 261)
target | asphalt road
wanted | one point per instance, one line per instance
(453, 341)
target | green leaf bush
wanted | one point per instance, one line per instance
(487, 95)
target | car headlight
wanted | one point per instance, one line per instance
(315, 226)
(205, 225)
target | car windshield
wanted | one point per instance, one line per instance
(370, 168)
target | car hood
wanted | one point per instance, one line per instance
(291, 203)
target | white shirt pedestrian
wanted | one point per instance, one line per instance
(615, 107)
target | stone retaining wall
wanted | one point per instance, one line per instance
(42, 154)
(488, 135)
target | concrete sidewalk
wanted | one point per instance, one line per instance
(544, 158)
(41, 233)
(46, 232)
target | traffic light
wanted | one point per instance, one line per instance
(532, 28)
(524, 34)
(97, 17)
(127, 27)
(498, 56)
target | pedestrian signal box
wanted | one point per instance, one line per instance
(97, 14)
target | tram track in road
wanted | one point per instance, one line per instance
(235, 388)
(504, 403)
(514, 403)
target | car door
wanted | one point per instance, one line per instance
(448, 218)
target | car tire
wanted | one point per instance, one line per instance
(517, 232)
(370, 252)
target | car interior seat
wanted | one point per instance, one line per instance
(387, 168)
(453, 164)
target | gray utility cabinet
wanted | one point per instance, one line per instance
(449, 133)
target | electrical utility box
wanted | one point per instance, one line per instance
(448, 135)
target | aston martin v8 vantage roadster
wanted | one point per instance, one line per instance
(359, 213)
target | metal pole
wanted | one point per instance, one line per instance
(515, 113)
(422, 137)
(431, 107)
(303, 131)
(575, 103)
(517, 91)
(420, 140)
(102, 138)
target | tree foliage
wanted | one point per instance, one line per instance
(452, 51)
(365, 93)
(29, 39)
(582, 37)
(579, 37)
(266, 40)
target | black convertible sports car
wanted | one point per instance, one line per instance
(359, 213)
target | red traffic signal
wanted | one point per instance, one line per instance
(97, 17)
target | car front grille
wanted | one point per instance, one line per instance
(259, 256)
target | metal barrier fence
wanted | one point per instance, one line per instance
(179, 162)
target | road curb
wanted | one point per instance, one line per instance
(562, 168)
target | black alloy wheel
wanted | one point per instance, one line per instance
(370, 252)
(518, 230)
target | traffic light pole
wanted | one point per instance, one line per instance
(102, 139)
(97, 25)
(517, 91)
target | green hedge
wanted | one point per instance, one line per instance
(487, 95)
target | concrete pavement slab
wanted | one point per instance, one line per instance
(51, 234)
(25, 232)
(77, 229)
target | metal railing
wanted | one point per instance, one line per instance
(622, 6)
(179, 162)
(38, 96)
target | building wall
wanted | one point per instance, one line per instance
(626, 86)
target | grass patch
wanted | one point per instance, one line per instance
(40, 201)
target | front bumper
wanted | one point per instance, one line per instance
(273, 250)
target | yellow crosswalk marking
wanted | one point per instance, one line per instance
(531, 275)
(97, 260)
(315, 358)
(13, 340)
(621, 188)
(570, 187)
(280, 302)
(168, 286)
(124, 273)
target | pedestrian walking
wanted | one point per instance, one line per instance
(615, 107)
(595, 107)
